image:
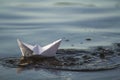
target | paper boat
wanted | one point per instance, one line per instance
(47, 51)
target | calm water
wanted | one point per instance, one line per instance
(43, 21)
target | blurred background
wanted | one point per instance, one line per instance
(80, 23)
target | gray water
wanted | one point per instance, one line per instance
(44, 21)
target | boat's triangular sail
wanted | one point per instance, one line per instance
(37, 50)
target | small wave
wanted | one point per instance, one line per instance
(73, 3)
(99, 58)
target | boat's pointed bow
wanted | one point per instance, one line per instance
(24, 49)
(59, 40)
(51, 49)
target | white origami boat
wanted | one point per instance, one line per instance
(47, 51)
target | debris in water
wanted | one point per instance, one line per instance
(88, 39)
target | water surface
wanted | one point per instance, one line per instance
(45, 21)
